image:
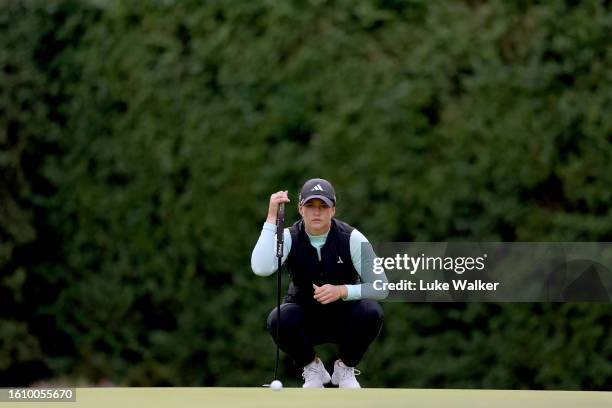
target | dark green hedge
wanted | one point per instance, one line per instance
(141, 141)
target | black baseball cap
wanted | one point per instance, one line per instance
(318, 188)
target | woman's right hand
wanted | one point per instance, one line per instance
(275, 200)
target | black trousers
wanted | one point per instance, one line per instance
(353, 325)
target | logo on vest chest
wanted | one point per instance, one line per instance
(339, 260)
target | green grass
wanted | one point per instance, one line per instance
(329, 397)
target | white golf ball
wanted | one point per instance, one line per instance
(276, 385)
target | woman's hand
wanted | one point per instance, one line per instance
(329, 293)
(275, 200)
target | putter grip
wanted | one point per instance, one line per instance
(280, 226)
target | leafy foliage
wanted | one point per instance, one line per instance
(141, 141)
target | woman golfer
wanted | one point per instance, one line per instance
(326, 301)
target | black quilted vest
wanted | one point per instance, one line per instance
(335, 267)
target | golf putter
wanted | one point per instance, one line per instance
(280, 226)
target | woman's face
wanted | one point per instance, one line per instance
(317, 216)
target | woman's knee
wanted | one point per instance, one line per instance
(371, 312)
(290, 315)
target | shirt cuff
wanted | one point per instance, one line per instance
(353, 292)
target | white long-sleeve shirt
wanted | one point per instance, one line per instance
(265, 263)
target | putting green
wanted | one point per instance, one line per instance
(329, 397)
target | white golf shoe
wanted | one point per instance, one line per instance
(315, 375)
(344, 376)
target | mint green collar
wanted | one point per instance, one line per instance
(317, 241)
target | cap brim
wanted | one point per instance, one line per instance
(320, 197)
